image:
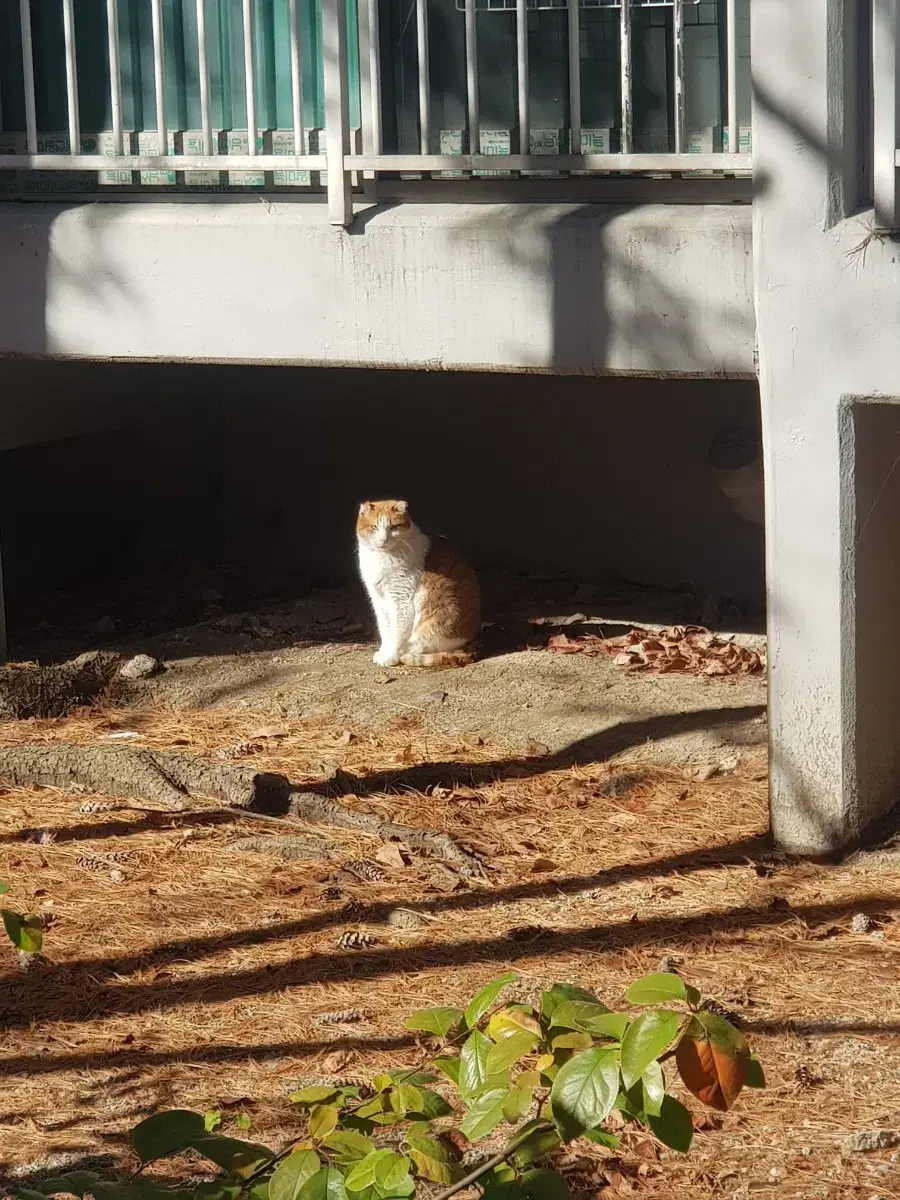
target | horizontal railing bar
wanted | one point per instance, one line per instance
(379, 162)
(548, 162)
(171, 162)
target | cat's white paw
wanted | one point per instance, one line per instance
(383, 658)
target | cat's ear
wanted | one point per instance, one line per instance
(365, 507)
(402, 507)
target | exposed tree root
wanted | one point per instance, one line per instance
(166, 782)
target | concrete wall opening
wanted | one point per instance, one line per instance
(157, 493)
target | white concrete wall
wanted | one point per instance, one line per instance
(598, 289)
(828, 328)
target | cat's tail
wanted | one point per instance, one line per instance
(446, 658)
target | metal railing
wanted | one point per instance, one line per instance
(352, 156)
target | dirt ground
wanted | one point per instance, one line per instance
(184, 971)
(312, 658)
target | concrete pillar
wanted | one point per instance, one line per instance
(827, 301)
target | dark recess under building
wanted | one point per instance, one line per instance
(127, 488)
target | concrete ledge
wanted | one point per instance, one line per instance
(596, 289)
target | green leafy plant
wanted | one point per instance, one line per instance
(25, 931)
(552, 1073)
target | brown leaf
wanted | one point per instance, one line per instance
(644, 1148)
(462, 792)
(535, 749)
(391, 855)
(345, 738)
(457, 1140)
(269, 731)
(713, 1072)
(541, 865)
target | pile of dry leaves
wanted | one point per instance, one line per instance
(689, 648)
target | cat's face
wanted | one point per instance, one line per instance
(381, 522)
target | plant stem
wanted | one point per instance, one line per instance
(497, 1159)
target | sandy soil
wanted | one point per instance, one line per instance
(312, 658)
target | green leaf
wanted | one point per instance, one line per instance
(323, 1119)
(559, 993)
(219, 1188)
(521, 1096)
(602, 1137)
(498, 1188)
(631, 1103)
(242, 1120)
(416, 1078)
(348, 1144)
(259, 1190)
(591, 1018)
(660, 988)
(448, 1065)
(434, 1020)
(722, 1033)
(544, 1184)
(755, 1076)
(654, 1089)
(307, 1097)
(148, 1189)
(431, 1105)
(485, 1114)
(59, 1183)
(673, 1126)
(482, 1000)
(391, 1173)
(25, 933)
(327, 1184)
(4, 888)
(166, 1133)
(405, 1099)
(212, 1120)
(515, 1018)
(431, 1157)
(473, 1063)
(292, 1173)
(28, 1194)
(363, 1174)
(81, 1181)
(542, 1140)
(645, 1039)
(508, 1051)
(571, 1039)
(584, 1091)
(232, 1155)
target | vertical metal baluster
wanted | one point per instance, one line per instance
(28, 74)
(71, 77)
(625, 75)
(474, 124)
(678, 72)
(159, 76)
(522, 75)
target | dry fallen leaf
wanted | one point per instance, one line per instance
(680, 648)
(540, 865)
(535, 749)
(269, 731)
(391, 855)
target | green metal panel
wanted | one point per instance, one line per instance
(225, 54)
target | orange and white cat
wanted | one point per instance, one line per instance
(424, 594)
